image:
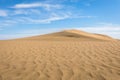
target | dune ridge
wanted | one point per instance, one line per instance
(72, 35)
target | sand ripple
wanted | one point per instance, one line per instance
(59, 60)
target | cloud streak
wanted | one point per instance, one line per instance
(37, 5)
(53, 17)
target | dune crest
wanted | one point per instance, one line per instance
(97, 36)
(72, 35)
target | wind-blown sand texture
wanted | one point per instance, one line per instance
(50, 57)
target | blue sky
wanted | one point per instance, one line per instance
(21, 18)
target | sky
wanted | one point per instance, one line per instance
(23, 18)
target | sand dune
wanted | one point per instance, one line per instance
(73, 57)
(71, 35)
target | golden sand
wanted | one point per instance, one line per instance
(51, 57)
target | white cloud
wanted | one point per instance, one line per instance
(3, 13)
(34, 5)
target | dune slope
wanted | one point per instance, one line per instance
(71, 35)
(70, 59)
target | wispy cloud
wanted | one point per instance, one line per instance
(51, 18)
(3, 13)
(26, 12)
(31, 13)
(32, 5)
(25, 16)
(35, 5)
(36, 20)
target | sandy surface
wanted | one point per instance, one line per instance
(67, 55)
(59, 60)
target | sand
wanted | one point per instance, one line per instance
(71, 59)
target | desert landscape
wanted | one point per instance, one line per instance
(64, 55)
